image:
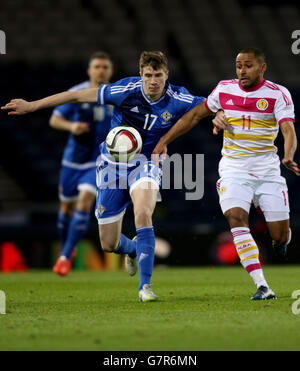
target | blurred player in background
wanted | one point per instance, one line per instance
(88, 124)
(250, 168)
(150, 104)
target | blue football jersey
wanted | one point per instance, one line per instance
(151, 118)
(81, 151)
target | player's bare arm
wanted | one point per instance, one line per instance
(21, 106)
(290, 146)
(60, 123)
(186, 123)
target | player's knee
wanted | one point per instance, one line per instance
(237, 218)
(108, 245)
(281, 236)
(143, 216)
(66, 208)
(85, 202)
(83, 206)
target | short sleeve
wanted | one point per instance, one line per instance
(197, 100)
(115, 93)
(66, 111)
(188, 100)
(284, 107)
(212, 103)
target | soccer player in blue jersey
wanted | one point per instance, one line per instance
(88, 125)
(150, 104)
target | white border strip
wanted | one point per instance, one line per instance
(67, 199)
(102, 94)
(111, 219)
(143, 180)
(87, 187)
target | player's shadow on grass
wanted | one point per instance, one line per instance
(178, 298)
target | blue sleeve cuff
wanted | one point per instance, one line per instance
(101, 95)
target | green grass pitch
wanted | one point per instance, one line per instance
(205, 308)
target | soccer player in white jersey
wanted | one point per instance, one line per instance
(249, 170)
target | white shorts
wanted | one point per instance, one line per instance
(271, 195)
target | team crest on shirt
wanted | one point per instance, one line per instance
(262, 104)
(100, 209)
(222, 190)
(166, 116)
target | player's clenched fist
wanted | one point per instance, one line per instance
(78, 128)
(160, 148)
(18, 107)
(219, 122)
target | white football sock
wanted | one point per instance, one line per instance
(249, 255)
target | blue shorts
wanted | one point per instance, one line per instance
(71, 181)
(115, 184)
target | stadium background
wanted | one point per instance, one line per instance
(48, 45)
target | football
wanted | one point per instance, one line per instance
(123, 143)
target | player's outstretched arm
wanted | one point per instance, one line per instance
(185, 124)
(182, 126)
(21, 106)
(290, 146)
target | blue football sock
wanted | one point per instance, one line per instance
(77, 229)
(145, 253)
(63, 222)
(126, 246)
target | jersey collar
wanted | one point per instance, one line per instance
(154, 101)
(253, 88)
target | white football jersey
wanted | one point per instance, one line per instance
(254, 116)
